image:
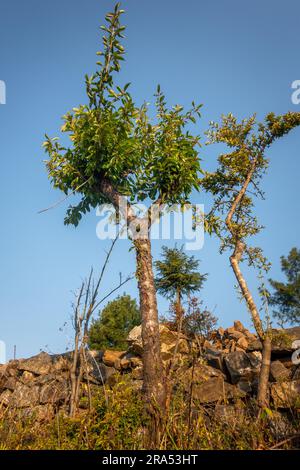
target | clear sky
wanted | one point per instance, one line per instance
(232, 56)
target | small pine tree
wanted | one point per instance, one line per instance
(177, 276)
(110, 330)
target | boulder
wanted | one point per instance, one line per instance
(39, 365)
(171, 342)
(286, 394)
(24, 396)
(215, 390)
(242, 343)
(238, 326)
(279, 372)
(198, 374)
(282, 341)
(112, 358)
(54, 392)
(214, 358)
(239, 366)
(10, 383)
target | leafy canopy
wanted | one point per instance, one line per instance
(245, 165)
(113, 138)
(286, 296)
(177, 272)
(115, 321)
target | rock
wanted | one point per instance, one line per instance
(236, 335)
(238, 365)
(279, 372)
(10, 383)
(238, 326)
(24, 396)
(282, 341)
(54, 392)
(170, 341)
(242, 343)
(130, 361)
(214, 358)
(200, 373)
(101, 373)
(134, 340)
(221, 332)
(249, 336)
(40, 364)
(286, 394)
(229, 414)
(215, 390)
(111, 358)
(255, 358)
(254, 345)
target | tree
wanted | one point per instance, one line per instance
(287, 295)
(118, 156)
(115, 321)
(234, 185)
(198, 321)
(177, 276)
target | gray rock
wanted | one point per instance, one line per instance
(286, 394)
(279, 372)
(214, 358)
(40, 364)
(24, 396)
(215, 390)
(54, 392)
(239, 366)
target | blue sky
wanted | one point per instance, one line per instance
(232, 56)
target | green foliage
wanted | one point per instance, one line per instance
(286, 296)
(119, 423)
(177, 272)
(114, 323)
(244, 165)
(112, 138)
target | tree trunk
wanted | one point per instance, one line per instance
(265, 339)
(179, 312)
(154, 385)
(263, 392)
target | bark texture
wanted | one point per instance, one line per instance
(154, 378)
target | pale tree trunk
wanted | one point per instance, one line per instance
(262, 396)
(263, 386)
(179, 311)
(154, 385)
